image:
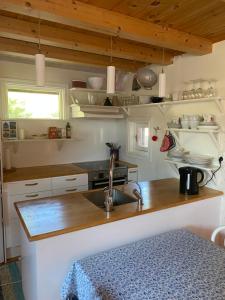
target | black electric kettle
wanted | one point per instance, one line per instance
(189, 180)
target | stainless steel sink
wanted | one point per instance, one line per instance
(98, 198)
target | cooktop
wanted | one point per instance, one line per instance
(98, 165)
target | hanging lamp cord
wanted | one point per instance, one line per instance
(163, 57)
(111, 49)
(39, 34)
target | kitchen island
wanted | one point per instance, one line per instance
(57, 230)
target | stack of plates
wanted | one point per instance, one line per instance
(208, 125)
(198, 159)
(177, 154)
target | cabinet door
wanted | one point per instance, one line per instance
(10, 211)
(12, 233)
(132, 174)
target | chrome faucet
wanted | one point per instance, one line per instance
(138, 195)
(109, 191)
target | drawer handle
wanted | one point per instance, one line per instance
(71, 190)
(132, 172)
(32, 196)
(71, 179)
(31, 184)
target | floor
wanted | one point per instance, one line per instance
(10, 282)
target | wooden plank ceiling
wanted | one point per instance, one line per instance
(82, 31)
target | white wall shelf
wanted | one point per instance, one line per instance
(97, 111)
(16, 142)
(179, 164)
(36, 140)
(117, 93)
(214, 134)
(164, 106)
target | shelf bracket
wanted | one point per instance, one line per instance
(220, 105)
(125, 110)
(15, 147)
(176, 135)
(163, 109)
(215, 138)
(59, 145)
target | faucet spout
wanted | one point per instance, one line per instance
(138, 195)
(111, 169)
(109, 191)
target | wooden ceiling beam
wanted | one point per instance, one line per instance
(16, 46)
(82, 40)
(89, 17)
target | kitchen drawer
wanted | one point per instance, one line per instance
(69, 181)
(27, 186)
(69, 190)
(132, 174)
(11, 199)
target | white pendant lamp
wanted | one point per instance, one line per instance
(40, 61)
(40, 69)
(162, 84)
(111, 76)
(162, 81)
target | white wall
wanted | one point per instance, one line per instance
(95, 133)
(91, 135)
(186, 68)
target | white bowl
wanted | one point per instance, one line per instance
(144, 99)
(96, 83)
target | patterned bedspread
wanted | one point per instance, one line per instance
(174, 265)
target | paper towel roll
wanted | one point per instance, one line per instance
(7, 159)
(40, 69)
(111, 79)
(21, 134)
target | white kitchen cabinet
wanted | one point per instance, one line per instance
(69, 190)
(71, 181)
(27, 186)
(11, 199)
(30, 190)
(132, 174)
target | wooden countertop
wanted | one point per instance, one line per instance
(40, 172)
(53, 216)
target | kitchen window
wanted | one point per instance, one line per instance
(141, 136)
(31, 102)
(138, 138)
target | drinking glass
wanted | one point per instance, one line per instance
(185, 91)
(192, 93)
(211, 91)
(199, 90)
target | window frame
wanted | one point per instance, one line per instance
(131, 148)
(141, 125)
(6, 85)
